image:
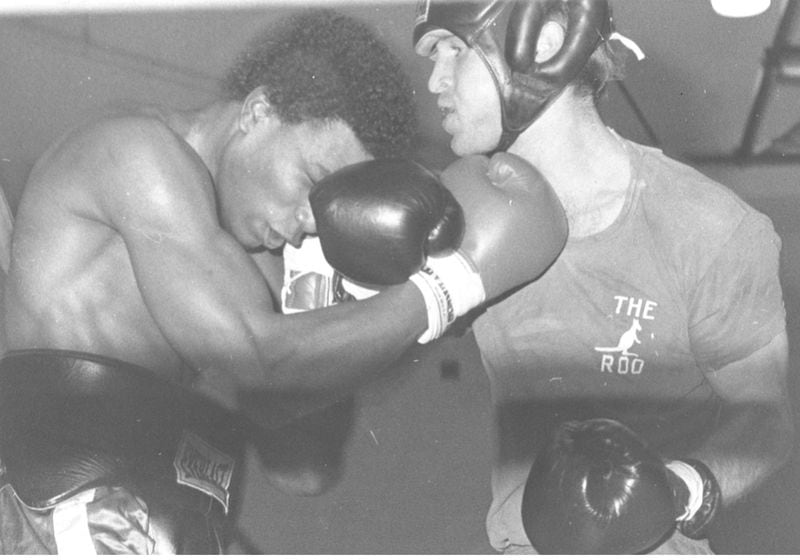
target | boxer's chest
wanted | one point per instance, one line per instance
(613, 327)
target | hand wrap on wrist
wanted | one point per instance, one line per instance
(450, 286)
(705, 497)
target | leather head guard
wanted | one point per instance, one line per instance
(504, 33)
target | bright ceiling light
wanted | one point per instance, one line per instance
(740, 8)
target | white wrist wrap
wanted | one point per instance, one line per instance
(309, 282)
(307, 278)
(358, 291)
(450, 286)
(694, 482)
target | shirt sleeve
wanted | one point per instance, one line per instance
(738, 306)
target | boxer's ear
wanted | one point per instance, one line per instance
(255, 108)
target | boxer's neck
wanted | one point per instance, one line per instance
(582, 159)
(207, 130)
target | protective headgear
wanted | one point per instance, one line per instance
(504, 33)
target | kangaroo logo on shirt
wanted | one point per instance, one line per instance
(626, 341)
(622, 358)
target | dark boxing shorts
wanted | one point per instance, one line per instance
(103, 456)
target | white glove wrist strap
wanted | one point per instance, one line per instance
(450, 286)
(694, 482)
(307, 278)
(309, 282)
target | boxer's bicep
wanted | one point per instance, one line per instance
(753, 434)
(204, 292)
(757, 378)
(211, 303)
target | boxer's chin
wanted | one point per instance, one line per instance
(468, 142)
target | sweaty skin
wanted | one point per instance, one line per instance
(119, 250)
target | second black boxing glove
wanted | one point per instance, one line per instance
(379, 220)
(596, 488)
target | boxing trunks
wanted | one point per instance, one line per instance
(103, 456)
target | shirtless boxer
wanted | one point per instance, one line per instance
(139, 258)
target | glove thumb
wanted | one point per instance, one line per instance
(511, 171)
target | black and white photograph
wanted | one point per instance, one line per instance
(399, 277)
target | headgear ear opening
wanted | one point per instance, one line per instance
(505, 34)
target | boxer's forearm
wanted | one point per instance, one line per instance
(754, 432)
(328, 352)
(216, 311)
(337, 347)
(749, 443)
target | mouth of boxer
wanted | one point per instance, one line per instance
(273, 239)
(448, 118)
(446, 111)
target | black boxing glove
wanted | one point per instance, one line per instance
(515, 228)
(596, 488)
(379, 220)
(698, 497)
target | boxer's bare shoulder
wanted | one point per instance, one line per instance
(99, 191)
(116, 163)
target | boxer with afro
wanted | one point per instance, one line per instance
(150, 329)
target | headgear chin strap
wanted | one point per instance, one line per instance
(505, 33)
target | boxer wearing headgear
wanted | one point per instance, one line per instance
(504, 34)
(664, 309)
